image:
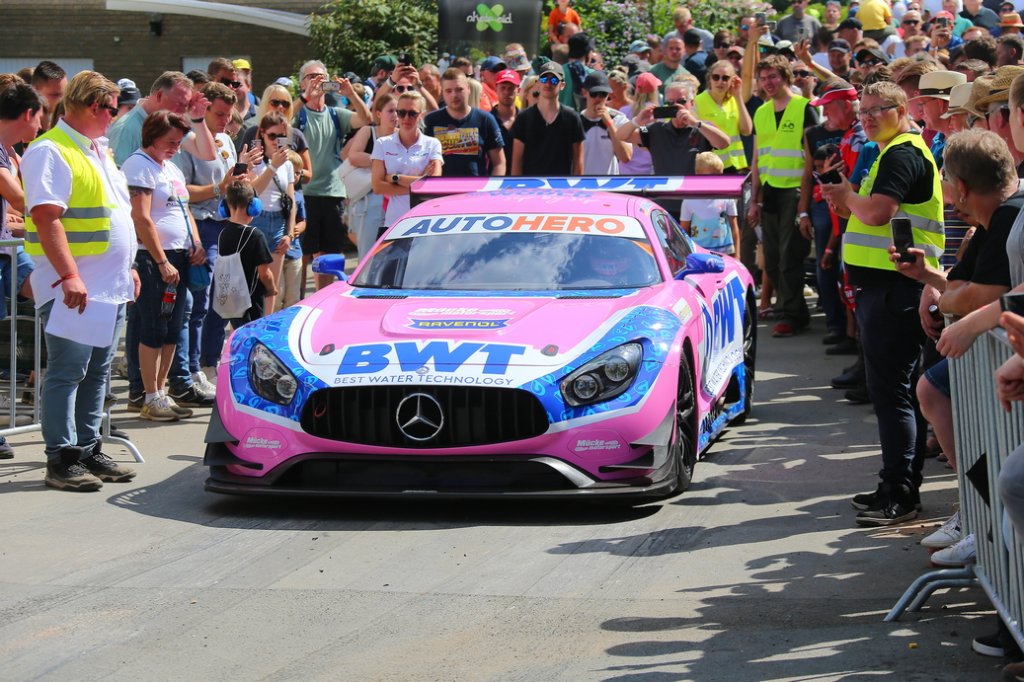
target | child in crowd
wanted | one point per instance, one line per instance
(561, 12)
(240, 237)
(711, 222)
(291, 272)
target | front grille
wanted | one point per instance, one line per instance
(472, 416)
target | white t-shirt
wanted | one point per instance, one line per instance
(401, 160)
(598, 156)
(271, 195)
(48, 179)
(169, 196)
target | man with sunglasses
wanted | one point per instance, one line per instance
(172, 91)
(471, 142)
(83, 262)
(548, 137)
(602, 149)
(904, 181)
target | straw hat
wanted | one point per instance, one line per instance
(1010, 20)
(938, 84)
(999, 90)
(958, 97)
(979, 88)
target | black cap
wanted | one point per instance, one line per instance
(580, 45)
(596, 82)
(129, 96)
(850, 23)
(874, 52)
(691, 37)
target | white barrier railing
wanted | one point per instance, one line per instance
(983, 431)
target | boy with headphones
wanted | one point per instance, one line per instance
(240, 205)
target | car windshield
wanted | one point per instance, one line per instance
(511, 261)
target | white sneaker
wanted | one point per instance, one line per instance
(211, 374)
(960, 554)
(949, 534)
(205, 385)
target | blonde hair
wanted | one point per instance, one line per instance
(475, 90)
(708, 163)
(281, 92)
(88, 88)
(295, 159)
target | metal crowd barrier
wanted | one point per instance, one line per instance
(10, 248)
(985, 435)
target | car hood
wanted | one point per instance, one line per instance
(352, 334)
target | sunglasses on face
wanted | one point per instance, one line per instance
(720, 77)
(681, 101)
(279, 103)
(274, 136)
(403, 88)
(230, 83)
(314, 75)
(911, 22)
(110, 110)
(550, 80)
(744, 27)
(870, 62)
(801, 74)
(407, 113)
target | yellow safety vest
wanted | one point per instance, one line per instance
(780, 150)
(727, 119)
(87, 218)
(868, 245)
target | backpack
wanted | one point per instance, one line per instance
(232, 295)
(302, 120)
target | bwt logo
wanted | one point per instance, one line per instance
(489, 17)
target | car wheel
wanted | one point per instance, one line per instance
(749, 359)
(683, 448)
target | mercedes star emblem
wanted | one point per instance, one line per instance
(419, 416)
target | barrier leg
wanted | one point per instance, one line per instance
(919, 591)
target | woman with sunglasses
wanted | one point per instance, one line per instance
(366, 214)
(275, 185)
(529, 91)
(404, 157)
(721, 105)
(277, 99)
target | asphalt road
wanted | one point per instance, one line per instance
(757, 573)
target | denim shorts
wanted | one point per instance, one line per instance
(156, 331)
(25, 266)
(938, 376)
(271, 224)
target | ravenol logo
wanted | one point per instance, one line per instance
(489, 17)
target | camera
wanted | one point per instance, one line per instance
(665, 112)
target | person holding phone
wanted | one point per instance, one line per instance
(275, 184)
(904, 181)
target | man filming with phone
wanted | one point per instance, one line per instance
(903, 182)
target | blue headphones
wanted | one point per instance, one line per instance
(254, 208)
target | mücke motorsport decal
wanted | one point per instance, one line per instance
(601, 225)
(722, 346)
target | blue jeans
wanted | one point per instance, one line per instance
(210, 331)
(74, 385)
(828, 280)
(25, 266)
(891, 336)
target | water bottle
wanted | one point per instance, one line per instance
(167, 304)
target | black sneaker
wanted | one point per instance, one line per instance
(847, 346)
(68, 473)
(851, 378)
(872, 500)
(106, 469)
(6, 451)
(894, 506)
(192, 397)
(136, 402)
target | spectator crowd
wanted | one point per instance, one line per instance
(866, 119)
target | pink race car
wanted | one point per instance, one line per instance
(508, 340)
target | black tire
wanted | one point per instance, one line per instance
(749, 359)
(683, 448)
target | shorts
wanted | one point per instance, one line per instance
(938, 376)
(271, 224)
(156, 331)
(326, 231)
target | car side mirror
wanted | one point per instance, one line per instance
(702, 264)
(331, 264)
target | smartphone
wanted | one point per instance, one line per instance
(331, 86)
(831, 177)
(240, 169)
(903, 238)
(282, 142)
(405, 58)
(665, 112)
(1012, 303)
(942, 21)
(760, 18)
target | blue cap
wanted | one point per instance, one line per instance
(638, 46)
(494, 64)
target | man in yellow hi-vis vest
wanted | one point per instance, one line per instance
(777, 170)
(903, 182)
(80, 234)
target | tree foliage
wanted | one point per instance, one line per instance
(347, 35)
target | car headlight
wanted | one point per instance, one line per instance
(603, 378)
(269, 378)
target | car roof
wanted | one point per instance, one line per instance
(553, 201)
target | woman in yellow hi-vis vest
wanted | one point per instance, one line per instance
(778, 167)
(904, 182)
(722, 105)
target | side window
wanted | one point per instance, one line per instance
(673, 242)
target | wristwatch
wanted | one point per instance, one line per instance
(394, 179)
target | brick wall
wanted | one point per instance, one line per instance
(120, 44)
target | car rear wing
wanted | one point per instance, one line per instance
(662, 189)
